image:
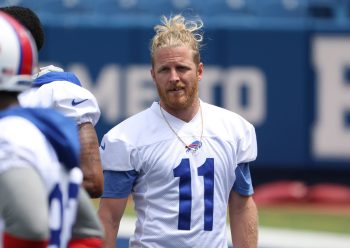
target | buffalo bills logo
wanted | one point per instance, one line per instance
(194, 146)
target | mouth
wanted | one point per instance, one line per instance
(177, 89)
(177, 92)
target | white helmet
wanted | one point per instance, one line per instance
(18, 55)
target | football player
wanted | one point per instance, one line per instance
(55, 88)
(40, 181)
(184, 161)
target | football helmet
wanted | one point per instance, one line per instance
(18, 55)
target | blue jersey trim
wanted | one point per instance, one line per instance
(118, 184)
(243, 184)
(59, 130)
(56, 76)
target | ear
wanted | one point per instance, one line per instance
(153, 74)
(200, 70)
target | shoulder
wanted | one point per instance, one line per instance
(52, 73)
(219, 114)
(226, 121)
(24, 123)
(67, 87)
(13, 127)
(62, 91)
(16, 141)
(133, 127)
(53, 86)
(54, 135)
(141, 129)
(54, 77)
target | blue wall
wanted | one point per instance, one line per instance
(293, 84)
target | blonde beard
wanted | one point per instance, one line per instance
(178, 103)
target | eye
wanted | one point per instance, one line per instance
(182, 68)
(163, 69)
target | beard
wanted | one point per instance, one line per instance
(181, 101)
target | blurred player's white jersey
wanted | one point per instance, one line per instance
(54, 88)
(22, 144)
(181, 197)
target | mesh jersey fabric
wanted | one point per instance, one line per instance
(180, 197)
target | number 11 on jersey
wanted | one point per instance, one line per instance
(183, 171)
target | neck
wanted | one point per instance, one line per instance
(186, 114)
(8, 100)
(195, 145)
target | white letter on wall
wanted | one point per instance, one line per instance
(254, 80)
(331, 136)
(211, 78)
(141, 90)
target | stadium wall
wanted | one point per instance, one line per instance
(293, 84)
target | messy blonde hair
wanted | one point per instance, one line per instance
(176, 31)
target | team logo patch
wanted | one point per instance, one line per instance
(194, 146)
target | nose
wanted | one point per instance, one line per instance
(174, 77)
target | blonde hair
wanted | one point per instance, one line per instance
(177, 31)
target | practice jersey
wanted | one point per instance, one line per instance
(32, 137)
(54, 88)
(180, 196)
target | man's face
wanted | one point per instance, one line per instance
(176, 77)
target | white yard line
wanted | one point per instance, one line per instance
(274, 238)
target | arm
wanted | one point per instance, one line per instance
(118, 185)
(243, 221)
(110, 212)
(90, 160)
(54, 94)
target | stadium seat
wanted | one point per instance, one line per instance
(326, 8)
(279, 8)
(232, 8)
(225, 12)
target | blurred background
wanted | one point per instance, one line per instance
(282, 64)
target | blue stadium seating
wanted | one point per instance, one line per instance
(142, 12)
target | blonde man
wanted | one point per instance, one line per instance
(183, 160)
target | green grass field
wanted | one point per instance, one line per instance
(305, 219)
(297, 218)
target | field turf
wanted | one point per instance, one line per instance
(300, 217)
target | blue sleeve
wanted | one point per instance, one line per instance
(243, 184)
(118, 184)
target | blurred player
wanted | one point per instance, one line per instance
(183, 160)
(39, 157)
(63, 91)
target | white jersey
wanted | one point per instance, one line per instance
(56, 90)
(23, 144)
(180, 197)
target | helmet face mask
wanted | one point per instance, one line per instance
(18, 55)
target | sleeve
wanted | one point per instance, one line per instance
(243, 184)
(70, 99)
(16, 151)
(118, 184)
(117, 154)
(247, 144)
(120, 165)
